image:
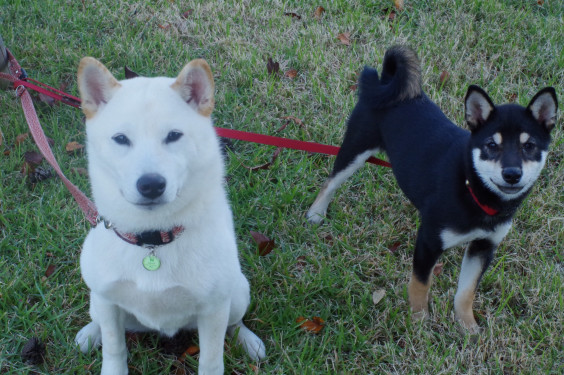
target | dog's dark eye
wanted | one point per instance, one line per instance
(492, 146)
(121, 139)
(528, 146)
(173, 136)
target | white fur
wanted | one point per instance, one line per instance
(451, 238)
(490, 173)
(318, 209)
(199, 284)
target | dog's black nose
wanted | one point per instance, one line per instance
(151, 185)
(511, 175)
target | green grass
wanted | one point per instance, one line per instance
(511, 48)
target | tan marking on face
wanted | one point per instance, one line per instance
(497, 138)
(418, 294)
(524, 137)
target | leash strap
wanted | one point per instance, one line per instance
(38, 135)
(288, 143)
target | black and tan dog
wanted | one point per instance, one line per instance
(466, 185)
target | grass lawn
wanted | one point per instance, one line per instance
(510, 48)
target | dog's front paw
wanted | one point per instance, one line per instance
(89, 337)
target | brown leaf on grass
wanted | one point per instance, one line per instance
(345, 38)
(438, 269)
(289, 119)
(398, 4)
(33, 157)
(190, 352)
(50, 270)
(268, 164)
(389, 14)
(353, 87)
(444, 77)
(73, 147)
(44, 98)
(20, 138)
(164, 27)
(540, 2)
(394, 247)
(319, 11)
(272, 67)
(315, 325)
(293, 15)
(292, 73)
(187, 13)
(79, 171)
(265, 245)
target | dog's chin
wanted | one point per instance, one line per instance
(509, 189)
(149, 204)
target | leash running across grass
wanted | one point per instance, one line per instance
(21, 82)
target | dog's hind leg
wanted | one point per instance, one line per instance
(359, 144)
(476, 260)
(252, 344)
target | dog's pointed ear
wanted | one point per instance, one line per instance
(96, 85)
(196, 87)
(543, 107)
(478, 107)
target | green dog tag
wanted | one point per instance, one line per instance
(151, 262)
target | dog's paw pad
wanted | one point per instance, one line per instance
(89, 337)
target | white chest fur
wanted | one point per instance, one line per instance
(452, 238)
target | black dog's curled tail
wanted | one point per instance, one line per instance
(400, 80)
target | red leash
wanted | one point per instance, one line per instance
(20, 82)
(85, 204)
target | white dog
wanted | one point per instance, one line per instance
(166, 257)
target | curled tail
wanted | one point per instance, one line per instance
(400, 80)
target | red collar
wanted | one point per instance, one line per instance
(487, 209)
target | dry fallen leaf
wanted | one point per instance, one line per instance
(444, 77)
(319, 12)
(296, 120)
(398, 4)
(20, 138)
(50, 270)
(187, 14)
(272, 67)
(314, 325)
(44, 98)
(164, 27)
(80, 171)
(33, 157)
(267, 164)
(265, 244)
(377, 295)
(438, 269)
(394, 247)
(292, 73)
(73, 147)
(345, 38)
(293, 15)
